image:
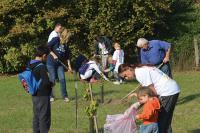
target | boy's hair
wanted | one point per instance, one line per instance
(97, 38)
(117, 43)
(142, 91)
(41, 50)
(57, 24)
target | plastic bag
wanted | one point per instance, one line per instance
(122, 123)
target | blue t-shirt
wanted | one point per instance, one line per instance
(155, 53)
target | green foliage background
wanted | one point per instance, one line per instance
(25, 24)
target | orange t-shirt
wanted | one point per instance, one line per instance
(150, 111)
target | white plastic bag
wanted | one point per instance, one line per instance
(122, 123)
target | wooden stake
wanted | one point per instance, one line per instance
(196, 49)
(94, 117)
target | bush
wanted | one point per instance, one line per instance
(17, 58)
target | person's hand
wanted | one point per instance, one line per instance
(131, 95)
(55, 57)
(70, 69)
(166, 59)
(107, 79)
(137, 117)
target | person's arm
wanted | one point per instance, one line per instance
(167, 56)
(107, 70)
(96, 68)
(108, 44)
(167, 48)
(68, 52)
(51, 44)
(46, 83)
(96, 48)
(132, 95)
(153, 89)
(54, 55)
(111, 68)
(115, 57)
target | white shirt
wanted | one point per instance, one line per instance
(103, 48)
(164, 85)
(118, 56)
(52, 35)
(88, 73)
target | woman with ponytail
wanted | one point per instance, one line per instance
(165, 88)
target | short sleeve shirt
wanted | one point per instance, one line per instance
(164, 85)
(119, 57)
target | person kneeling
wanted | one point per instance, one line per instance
(90, 72)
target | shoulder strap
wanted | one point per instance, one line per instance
(37, 65)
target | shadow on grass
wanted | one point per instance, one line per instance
(194, 131)
(188, 99)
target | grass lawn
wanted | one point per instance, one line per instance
(16, 105)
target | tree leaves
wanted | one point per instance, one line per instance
(31, 21)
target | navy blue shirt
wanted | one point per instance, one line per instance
(155, 53)
(61, 50)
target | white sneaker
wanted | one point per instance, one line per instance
(122, 82)
(52, 99)
(116, 83)
(66, 99)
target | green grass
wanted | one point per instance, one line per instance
(16, 106)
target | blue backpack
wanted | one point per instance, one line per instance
(84, 68)
(29, 83)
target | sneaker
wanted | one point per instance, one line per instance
(66, 99)
(116, 83)
(52, 99)
(122, 82)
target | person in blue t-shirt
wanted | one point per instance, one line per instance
(155, 52)
(55, 68)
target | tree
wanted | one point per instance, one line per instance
(25, 24)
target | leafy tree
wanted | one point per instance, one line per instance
(25, 24)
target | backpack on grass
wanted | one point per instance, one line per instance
(29, 83)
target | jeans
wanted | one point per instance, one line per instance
(149, 128)
(41, 114)
(55, 71)
(166, 69)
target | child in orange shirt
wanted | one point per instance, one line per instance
(150, 111)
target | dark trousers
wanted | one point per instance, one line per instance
(166, 69)
(168, 104)
(41, 114)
